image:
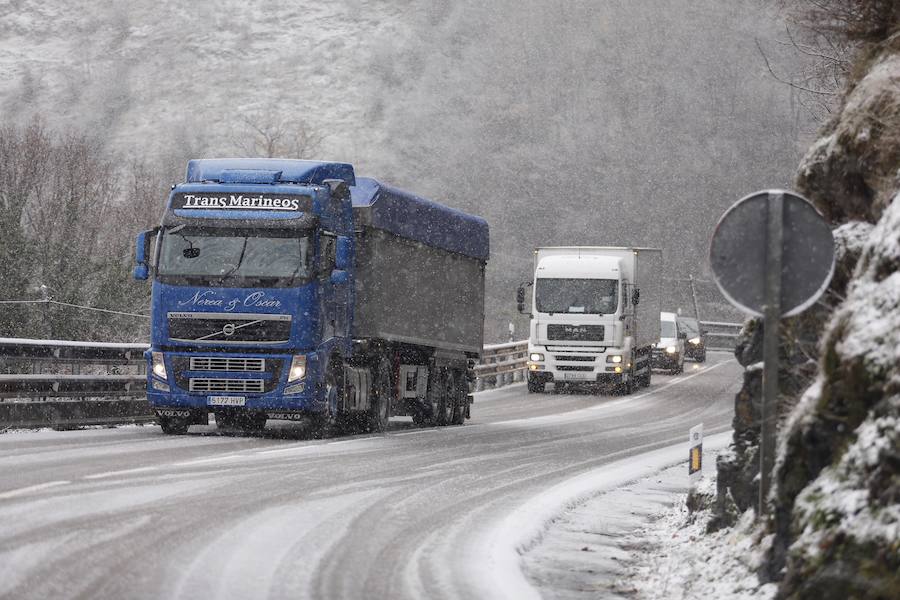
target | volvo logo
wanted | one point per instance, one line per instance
(228, 329)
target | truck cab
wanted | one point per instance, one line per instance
(250, 289)
(586, 318)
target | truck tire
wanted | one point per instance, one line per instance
(461, 400)
(536, 386)
(174, 425)
(338, 419)
(445, 397)
(224, 420)
(252, 422)
(379, 412)
(628, 386)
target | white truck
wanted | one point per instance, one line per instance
(595, 315)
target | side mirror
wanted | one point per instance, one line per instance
(636, 296)
(520, 299)
(141, 250)
(339, 277)
(343, 253)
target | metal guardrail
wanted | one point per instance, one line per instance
(502, 364)
(64, 383)
(721, 336)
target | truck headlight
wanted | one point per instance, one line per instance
(159, 365)
(535, 356)
(615, 358)
(694, 341)
(298, 368)
(671, 349)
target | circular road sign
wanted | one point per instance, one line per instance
(739, 251)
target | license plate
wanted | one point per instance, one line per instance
(225, 400)
(578, 376)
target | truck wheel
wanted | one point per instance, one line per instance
(648, 376)
(445, 397)
(379, 412)
(536, 386)
(334, 393)
(174, 425)
(461, 400)
(628, 388)
(252, 422)
(224, 420)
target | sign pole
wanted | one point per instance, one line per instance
(771, 318)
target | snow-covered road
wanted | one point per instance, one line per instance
(130, 513)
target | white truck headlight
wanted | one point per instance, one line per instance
(298, 368)
(536, 356)
(671, 349)
(615, 358)
(158, 365)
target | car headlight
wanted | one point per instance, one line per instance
(536, 356)
(671, 349)
(298, 368)
(694, 341)
(615, 358)
(158, 365)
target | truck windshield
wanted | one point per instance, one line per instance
(589, 296)
(234, 257)
(667, 329)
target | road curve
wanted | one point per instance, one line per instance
(130, 513)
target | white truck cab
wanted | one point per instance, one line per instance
(595, 316)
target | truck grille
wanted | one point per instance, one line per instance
(575, 333)
(574, 357)
(220, 328)
(225, 385)
(573, 368)
(214, 363)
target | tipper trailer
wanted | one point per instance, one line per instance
(291, 289)
(595, 315)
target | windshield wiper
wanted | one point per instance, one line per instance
(237, 266)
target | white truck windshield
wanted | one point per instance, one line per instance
(588, 296)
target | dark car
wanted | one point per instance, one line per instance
(695, 344)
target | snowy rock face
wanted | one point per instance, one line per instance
(852, 172)
(837, 517)
(738, 487)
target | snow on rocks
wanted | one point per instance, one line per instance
(837, 492)
(689, 563)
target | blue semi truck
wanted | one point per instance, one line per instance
(292, 289)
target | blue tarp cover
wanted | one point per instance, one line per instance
(415, 218)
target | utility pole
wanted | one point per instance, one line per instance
(694, 297)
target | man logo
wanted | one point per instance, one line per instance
(228, 329)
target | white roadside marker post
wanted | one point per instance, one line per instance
(695, 454)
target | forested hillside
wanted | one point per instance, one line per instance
(561, 122)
